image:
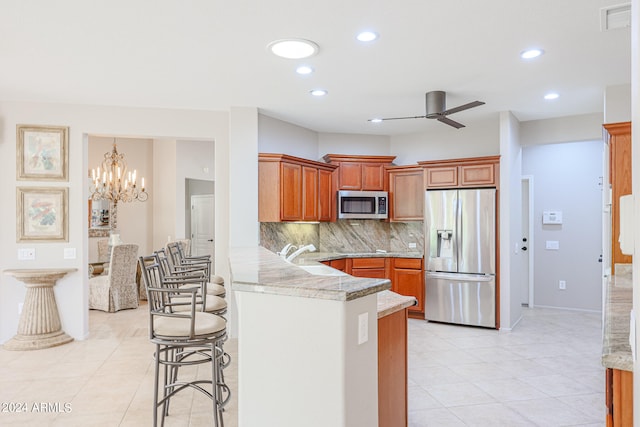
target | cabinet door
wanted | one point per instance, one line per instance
(477, 175)
(409, 283)
(445, 176)
(350, 176)
(291, 187)
(372, 177)
(407, 195)
(325, 195)
(620, 179)
(309, 193)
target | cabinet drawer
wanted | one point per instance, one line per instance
(367, 262)
(370, 273)
(339, 264)
(408, 263)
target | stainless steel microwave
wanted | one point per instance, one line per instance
(363, 205)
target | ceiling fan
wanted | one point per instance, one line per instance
(436, 109)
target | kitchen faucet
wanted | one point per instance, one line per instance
(302, 249)
(283, 253)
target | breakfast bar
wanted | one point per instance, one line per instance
(314, 331)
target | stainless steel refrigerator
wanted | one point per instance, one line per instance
(460, 256)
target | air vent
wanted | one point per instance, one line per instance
(615, 17)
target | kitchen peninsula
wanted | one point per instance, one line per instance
(307, 343)
(617, 356)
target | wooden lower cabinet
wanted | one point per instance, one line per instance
(374, 268)
(408, 279)
(392, 370)
(619, 397)
(338, 264)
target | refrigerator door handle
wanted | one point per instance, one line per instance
(461, 277)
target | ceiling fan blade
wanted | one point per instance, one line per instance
(398, 118)
(464, 107)
(450, 122)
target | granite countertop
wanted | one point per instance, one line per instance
(616, 351)
(256, 269)
(389, 302)
(329, 256)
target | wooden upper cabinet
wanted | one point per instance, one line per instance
(477, 175)
(467, 172)
(350, 176)
(309, 193)
(373, 177)
(325, 195)
(293, 189)
(406, 193)
(620, 179)
(444, 176)
(291, 185)
(360, 173)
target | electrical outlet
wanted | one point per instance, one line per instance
(363, 328)
(562, 285)
(26, 254)
(412, 245)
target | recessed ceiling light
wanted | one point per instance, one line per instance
(375, 120)
(318, 92)
(367, 36)
(531, 53)
(551, 95)
(293, 48)
(304, 69)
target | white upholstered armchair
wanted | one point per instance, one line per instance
(116, 290)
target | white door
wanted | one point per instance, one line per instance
(202, 225)
(526, 242)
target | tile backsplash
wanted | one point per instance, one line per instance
(346, 236)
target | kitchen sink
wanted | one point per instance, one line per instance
(322, 270)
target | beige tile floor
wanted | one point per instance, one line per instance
(545, 373)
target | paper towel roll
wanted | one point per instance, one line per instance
(626, 224)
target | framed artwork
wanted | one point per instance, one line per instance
(42, 214)
(42, 153)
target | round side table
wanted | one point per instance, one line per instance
(39, 326)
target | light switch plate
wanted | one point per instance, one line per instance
(26, 254)
(552, 245)
(69, 253)
(363, 328)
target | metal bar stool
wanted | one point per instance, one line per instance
(183, 338)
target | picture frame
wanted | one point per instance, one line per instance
(42, 214)
(42, 153)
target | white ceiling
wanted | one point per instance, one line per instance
(211, 54)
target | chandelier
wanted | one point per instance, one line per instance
(113, 182)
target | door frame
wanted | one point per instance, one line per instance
(528, 181)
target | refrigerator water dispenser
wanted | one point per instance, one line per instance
(445, 244)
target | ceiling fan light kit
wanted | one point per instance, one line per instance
(436, 108)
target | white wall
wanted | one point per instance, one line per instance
(165, 200)
(276, 136)
(635, 150)
(243, 226)
(511, 261)
(478, 139)
(567, 178)
(194, 160)
(584, 127)
(71, 291)
(617, 104)
(340, 143)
